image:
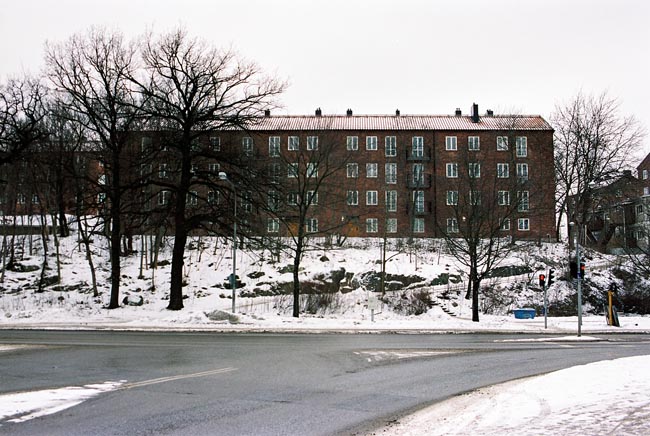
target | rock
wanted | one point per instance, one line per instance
(133, 300)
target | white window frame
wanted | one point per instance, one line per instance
(391, 201)
(522, 171)
(163, 197)
(391, 225)
(352, 143)
(503, 170)
(418, 201)
(505, 224)
(452, 225)
(522, 146)
(214, 168)
(292, 198)
(292, 170)
(473, 143)
(451, 143)
(475, 198)
(418, 225)
(645, 174)
(390, 143)
(192, 198)
(417, 146)
(312, 143)
(352, 198)
(247, 145)
(523, 224)
(272, 225)
(502, 143)
(452, 170)
(312, 169)
(371, 170)
(311, 225)
(452, 198)
(215, 143)
(274, 146)
(372, 225)
(372, 199)
(352, 169)
(523, 201)
(293, 143)
(503, 198)
(162, 171)
(312, 198)
(390, 170)
(474, 170)
(214, 197)
(371, 143)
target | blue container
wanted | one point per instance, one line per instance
(524, 313)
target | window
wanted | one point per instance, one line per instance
(292, 170)
(391, 225)
(417, 149)
(146, 145)
(195, 145)
(353, 170)
(162, 171)
(371, 198)
(418, 174)
(475, 198)
(292, 198)
(312, 143)
(192, 198)
(418, 225)
(352, 143)
(502, 143)
(194, 169)
(312, 169)
(474, 170)
(214, 168)
(246, 203)
(371, 143)
(452, 225)
(101, 197)
(391, 173)
(418, 201)
(646, 190)
(522, 146)
(214, 197)
(522, 171)
(274, 146)
(505, 224)
(311, 226)
(20, 198)
(294, 143)
(247, 146)
(523, 224)
(101, 179)
(312, 198)
(215, 143)
(473, 143)
(645, 174)
(371, 170)
(275, 171)
(503, 170)
(451, 143)
(372, 225)
(272, 225)
(391, 201)
(163, 198)
(503, 198)
(35, 199)
(452, 170)
(353, 198)
(452, 198)
(273, 200)
(522, 201)
(391, 146)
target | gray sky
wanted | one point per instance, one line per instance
(375, 56)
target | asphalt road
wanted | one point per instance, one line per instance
(269, 384)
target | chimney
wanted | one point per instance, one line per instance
(458, 112)
(267, 112)
(319, 112)
(475, 117)
(397, 113)
(490, 113)
(349, 113)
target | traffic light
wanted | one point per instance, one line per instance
(551, 279)
(542, 279)
(573, 269)
(582, 270)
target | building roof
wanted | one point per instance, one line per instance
(399, 122)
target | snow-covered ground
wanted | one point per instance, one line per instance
(569, 400)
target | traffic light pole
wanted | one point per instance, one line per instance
(545, 308)
(579, 279)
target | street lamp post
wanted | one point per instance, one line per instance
(233, 277)
(576, 231)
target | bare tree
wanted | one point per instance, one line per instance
(193, 89)
(593, 145)
(91, 74)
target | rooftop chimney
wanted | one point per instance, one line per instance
(349, 113)
(475, 117)
(490, 113)
(397, 113)
(458, 112)
(267, 112)
(319, 112)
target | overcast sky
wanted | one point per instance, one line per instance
(375, 56)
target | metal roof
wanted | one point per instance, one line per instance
(398, 122)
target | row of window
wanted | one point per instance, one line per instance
(20, 199)
(352, 144)
(474, 171)
(372, 225)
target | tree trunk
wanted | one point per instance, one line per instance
(475, 288)
(115, 234)
(296, 280)
(176, 285)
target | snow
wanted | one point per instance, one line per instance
(569, 400)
